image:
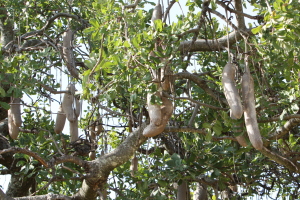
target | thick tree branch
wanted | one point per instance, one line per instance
(4, 197)
(27, 152)
(280, 160)
(45, 197)
(101, 167)
(239, 18)
(285, 129)
(211, 44)
(68, 158)
(53, 161)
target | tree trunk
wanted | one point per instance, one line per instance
(201, 192)
(183, 192)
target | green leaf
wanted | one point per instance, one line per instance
(162, 183)
(2, 92)
(217, 128)
(4, 105)
(158, 24)
(256, 29)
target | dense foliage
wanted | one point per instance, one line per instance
(118, 56)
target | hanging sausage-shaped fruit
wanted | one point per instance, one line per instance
(12, 128)
(158, 117)
(15, 110)
(231, 92)
(249, 110)
(60, 120)
(68, 102)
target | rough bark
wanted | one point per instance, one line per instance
(19, 185)
(201, 192)
(102, 166)
(183, 192)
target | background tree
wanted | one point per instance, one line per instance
(116, 56)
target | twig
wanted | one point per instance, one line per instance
(273, 119)
(194, 115)
(238, 12)
(194, 130)
(168, 10)
(201, 104)
(51, 90)
(223, 17)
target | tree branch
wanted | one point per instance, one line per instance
(168, 10)
(45, 197)
(4, 197)
(202, 84)
(201, 104)
(100, 168)
(27, 152)
(273, 119)
(285, 129)
(239, 18)
(223, 17)
(211, 44)
(49, 22)
(68, 158)
(194, 130)
(280, 160)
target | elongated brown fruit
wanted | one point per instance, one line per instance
(238, 128)
(60, 120)
(231, 92)
(151, 130)
(157, 13)
(92, 155)
(98, 128)
(15, 110)
(250, 112)
(133, 165)
(166, 75)
(154, 112)
(92, 131)
(12, 128)
(68, 53)
(77, 106)
(67, 103)
(166, 110)
(74, 130)
(241, 140)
